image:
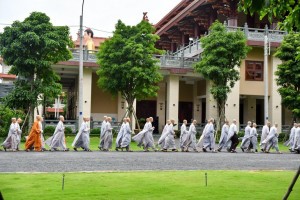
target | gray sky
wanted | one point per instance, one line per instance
(98, 14)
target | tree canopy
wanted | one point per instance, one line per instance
(286, 10)
(127, 64)
(289, 73)
(222, 55)
(31, 47)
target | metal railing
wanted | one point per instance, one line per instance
(88, 55)
(169, 61)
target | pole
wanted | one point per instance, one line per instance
(286, 196)
(266, 97)
(80, 85)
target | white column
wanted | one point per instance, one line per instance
(275, 98)
(87, 91)
(196, 104)
(161, 105)
(122, 105)
(173, 98)
(211, 104)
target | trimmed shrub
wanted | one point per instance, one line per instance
(95, 132)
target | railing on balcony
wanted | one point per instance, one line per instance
(168, 61)
(88, 55)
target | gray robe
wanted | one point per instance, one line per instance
(290, 141)
(170, 140)
(296, 144)
(58, 138)
(264, 135)
(126, 138)
(19, 134)
(11, 141)
(246, 139)
(120, 135)
(223, 138)
(272, 140)
(107, 136)
(140, 136)
(183, 141)
(82, 138)
(208, 138)
(148, 140)
(102, 130)
(162, 139)
(191, 137)
(232, 130)
(253, 137)
(199, 145)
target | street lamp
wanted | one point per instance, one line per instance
(80, 86)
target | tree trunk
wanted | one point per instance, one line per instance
(221, 117)
(131, 111)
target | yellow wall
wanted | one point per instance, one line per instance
(201, 88)
(254, 87)
(102, 102)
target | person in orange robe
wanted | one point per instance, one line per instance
(34, 137)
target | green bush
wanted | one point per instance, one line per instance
(95, 131)
(68, 131)
(281, 137)
(5, 119)
(49, 130)
(177, 133)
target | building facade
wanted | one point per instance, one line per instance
(183, 93)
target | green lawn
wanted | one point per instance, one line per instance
(150, 185)
(95, 142)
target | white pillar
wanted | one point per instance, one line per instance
(196, 104)
(275, 109)
(122, 105)
(87, 91)
(211, 104)
(173, 98)
(161, 105)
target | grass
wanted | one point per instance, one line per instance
(95, 142)
(150, 185)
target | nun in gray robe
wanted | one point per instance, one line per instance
(11, 141)
(57, 141)
(272, 140)
(183, 140)
(82, 139)
(201, 139)
(19, 131)
(170, 140)
(296, 143)
(209, 139)
(191, 137)
(148, 140)
(253, 138)
(120, 135)
(246, 139)
(102, 130)
(139, 138)
(224, 134)
(162, 139)
(107, 137)
(264, 135)
(126, 138)
(290, 141)
(232, 130)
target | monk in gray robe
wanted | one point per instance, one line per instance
(183, 136)
(107, 137)
(209, 139)
(191, 137)
(126, 138)
(102, 130)
(11, 141)
(253, 139)
(224, 134)
(199, 145)
(162, 139)
(58, 141)
(148, 141)
(19, 121)
(290, 141)
(232, 139)
(246, 139)
(82, 139)
(170, 139)
(139, 138)
(296, 144)
(272, 140)
(120, 135)
(264, 134)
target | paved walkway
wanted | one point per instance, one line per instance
(127, 161)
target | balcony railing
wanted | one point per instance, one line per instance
(168, 61)
(88, 55)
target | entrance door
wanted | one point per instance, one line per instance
(147, 108)
(185, 111)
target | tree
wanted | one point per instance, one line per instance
(286, 10)
(127, 64)
(222, 55)
(289, 73)
(31, 47)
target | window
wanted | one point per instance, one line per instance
(254, 71)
